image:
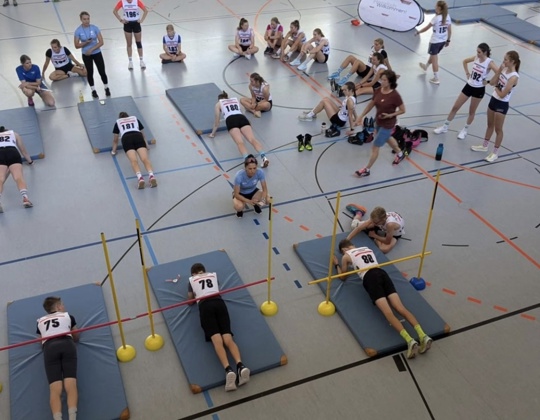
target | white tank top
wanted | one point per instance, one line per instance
(440, 29)
(204, 284)
(343, 112)
(59, 59)
(127, 124)
(245, 36)
(393, 217)
(479, 72)
(8, 139)
(326, 49)
(52, 324)
(132, 12)
(362, 257)
(301, 34)
(172, 43)
(503, 80)
(229, 107)
(258, 92)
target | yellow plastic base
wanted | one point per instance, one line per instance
(326, 308)
(126, 354)
(1, 386)
(269, 308)
(154, 342)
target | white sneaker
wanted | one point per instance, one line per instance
(236, 55)
(295, 62)
(435, 81)
(248, 56)
(412, 349)
(130, 65)
(423, 66)
(143, 65)
(492, 157)
(243, 376)
(479, 148)
(265, 162)
(305, 117)
(462, 134)
(230, 381)
(442, 129)
(302, 67)
(72, 74)
(426, 344)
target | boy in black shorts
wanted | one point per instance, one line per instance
(60, 355)
(382, 292)
(216, 324)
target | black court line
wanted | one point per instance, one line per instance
(352, 365)
(418, 387)
(457, 245)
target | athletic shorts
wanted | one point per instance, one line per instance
(364, 73)
(236, 121)
(436, 48)
(337, 121)
(326, 57)
(66, 68)
(475, 92)
(214, 317)
(378, 284)
(9, 156)
(60, 356)
(132, 27)
(270, 102)
(382, 136)
(249, 195)
(377, 85)
(245, 47)
(133, 140)
(498, 106)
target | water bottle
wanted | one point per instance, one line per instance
(323, 128)
(81, 96)
(440, 150)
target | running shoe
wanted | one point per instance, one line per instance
(462, 134)
(153, 181)
(257, 208)
(230, 381)
(295, 62)
(423, 66)
(334, 75)
(107, 92)
(425, 345)
(143, 64)
(94, 94)
(363, 172)
(492, 157)
(30, 102)
(479, 148)
(412, 349)
(399, 158)
(141, 183)
(265, 162)
(239, 214)
(435, 81)
(442, 129)
(130, 65)
(243, 376)
(302, 67)
(27, 203)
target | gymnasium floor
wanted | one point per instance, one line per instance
(483, 272)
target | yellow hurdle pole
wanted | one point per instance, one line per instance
(348, 273)
(113, 290)
(145, 278)
(269, 272)
(332, 247)
(429, 222)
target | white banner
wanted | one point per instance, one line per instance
(396, 15)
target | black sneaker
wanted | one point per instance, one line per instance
(166, 61)
(300, 139)
(107, 92)
(257, 208)
(239, 214)
(307, 142)
(268, 50)
(94, 94)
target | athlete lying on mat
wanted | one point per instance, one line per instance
(382, 292)
(216, 324)
(60, 355)
(390, 224)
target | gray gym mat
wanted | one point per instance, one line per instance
(258, 346)
(101, 390)
(364, 319)
(24, 122)
(196, 104)
(99, 117)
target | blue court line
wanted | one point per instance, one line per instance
(256, 221)
(265, 235)
(61, 22)
(275, 250)
(222, 216)
(298, 284)
(286, 267)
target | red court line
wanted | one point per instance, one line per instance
(450, 292)
(200, 152)
(304, 228)
(483, 220)
(225, 175)
(474, 300)
(318, 235)
(288, 219)
(208, 160)
(194, 144)
(499, 178)
(529, 317)
(500, 308)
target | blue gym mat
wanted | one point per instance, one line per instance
(99, 117)
(453, 5)
(478, 13)
(259, 348)
(353, 304)
(101, 390)
(517, 27)
(24, 121)
(196, 104)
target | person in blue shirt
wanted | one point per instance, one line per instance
(245, 187)
(30, 77)
(88, 37)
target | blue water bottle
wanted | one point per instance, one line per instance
(440, 150)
